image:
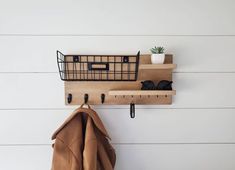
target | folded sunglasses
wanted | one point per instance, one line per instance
(162, 85)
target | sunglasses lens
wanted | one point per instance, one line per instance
(148, 85)
(164, 85)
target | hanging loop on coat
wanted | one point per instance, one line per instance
(82, 106)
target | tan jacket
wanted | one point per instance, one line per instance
(81, 143)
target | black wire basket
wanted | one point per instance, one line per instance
(98, 67)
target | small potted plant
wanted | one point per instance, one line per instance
(158, 55)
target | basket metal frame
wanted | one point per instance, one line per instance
(98, 67)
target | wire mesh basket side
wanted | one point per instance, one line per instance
(60, 63)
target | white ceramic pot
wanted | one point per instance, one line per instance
(157, 58)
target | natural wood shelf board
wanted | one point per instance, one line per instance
(157, 66)
(141, 92)
(146, 59)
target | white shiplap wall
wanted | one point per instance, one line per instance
(196, 132)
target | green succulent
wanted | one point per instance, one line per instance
(157, 50)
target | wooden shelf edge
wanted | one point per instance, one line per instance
(157, 66)
(141, 92)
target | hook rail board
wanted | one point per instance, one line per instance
(124, 92)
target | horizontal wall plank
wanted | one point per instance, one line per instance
(149, 126)
(138, 157)
(191, 54)
(25, 157)
(31, 91)
(119, 17)
(182, 157)
(193, 90)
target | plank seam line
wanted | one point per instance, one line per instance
(198, 143)
(125, 107)
(175, 72)
(120, 35)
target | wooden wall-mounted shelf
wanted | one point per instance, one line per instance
(157, 66)
(141, 92)
(119, 92)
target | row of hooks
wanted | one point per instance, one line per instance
(102, 98)
(86, 98)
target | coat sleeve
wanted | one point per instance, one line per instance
(61, 156)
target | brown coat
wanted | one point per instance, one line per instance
(81, 143)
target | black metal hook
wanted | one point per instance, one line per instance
(132, 110)
(86, 97)
(69, 98)
(102, 98)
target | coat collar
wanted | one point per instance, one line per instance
(98, 123)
